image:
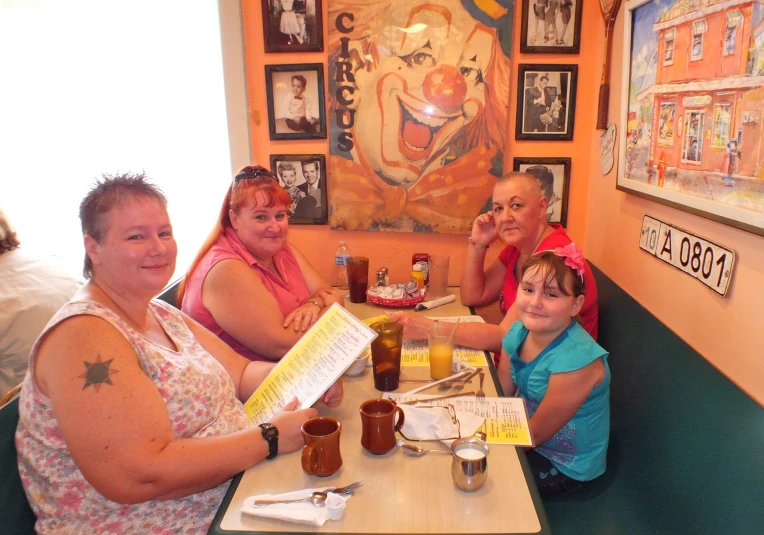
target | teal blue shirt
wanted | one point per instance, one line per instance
(578, 449)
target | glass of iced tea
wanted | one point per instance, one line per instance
(358, 278)
(386, 355)
(440, 345)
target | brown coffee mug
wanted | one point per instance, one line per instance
(378, 425)
(321, 454)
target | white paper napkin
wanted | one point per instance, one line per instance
(429, 305)
(423, 423)
(302, 512)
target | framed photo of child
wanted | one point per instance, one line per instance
(296, 101)
(551, 26)
(293, 25)
(546, 103)
(553, 175)
(304, 178)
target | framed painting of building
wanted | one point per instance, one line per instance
(418, 95)
(693, 107)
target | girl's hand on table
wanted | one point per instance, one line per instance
(415, 326)
(333, 396)
(289, 423)
(303, 316)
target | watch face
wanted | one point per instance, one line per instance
(271, 434)
(269, 430)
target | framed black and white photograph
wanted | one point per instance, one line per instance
(304, 178)
(551, 26)
(293, 25)
(546, 101)
(553, 175)
(296, 101)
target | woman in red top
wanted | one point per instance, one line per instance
(519, 220)
(247, 284)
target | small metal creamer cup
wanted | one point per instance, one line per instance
(469, 474)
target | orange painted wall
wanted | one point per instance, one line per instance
(728, 331)
(395, 249)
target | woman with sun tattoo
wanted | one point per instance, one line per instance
(130, 413)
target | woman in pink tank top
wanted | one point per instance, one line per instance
(130, 416)
(247, 284)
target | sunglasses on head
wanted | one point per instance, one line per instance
(255, 173)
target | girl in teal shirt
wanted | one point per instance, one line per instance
(560, 371)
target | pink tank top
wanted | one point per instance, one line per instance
(289, 293)
(201, 402)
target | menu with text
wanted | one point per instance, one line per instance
(316, 361)
(506, 419)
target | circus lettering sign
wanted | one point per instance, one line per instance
(418, 95)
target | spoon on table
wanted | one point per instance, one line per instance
(417, 451)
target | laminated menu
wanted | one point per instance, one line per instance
(316, 361)
(506, 419)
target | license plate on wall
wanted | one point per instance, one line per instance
(700, 258)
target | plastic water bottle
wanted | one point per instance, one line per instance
(340, 266)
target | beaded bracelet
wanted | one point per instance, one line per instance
(315, 302)
(476, 244)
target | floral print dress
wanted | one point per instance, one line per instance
(201, 402)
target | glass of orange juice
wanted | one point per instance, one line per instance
(440, 346)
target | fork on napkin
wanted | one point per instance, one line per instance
(300, 512)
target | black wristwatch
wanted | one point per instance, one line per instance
(271, 434)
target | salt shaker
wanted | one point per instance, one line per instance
(381, 278)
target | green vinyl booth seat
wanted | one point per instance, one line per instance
(686, 448)
(16, 517)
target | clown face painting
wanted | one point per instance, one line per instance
(419, 96)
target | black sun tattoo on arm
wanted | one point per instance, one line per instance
(97, 373)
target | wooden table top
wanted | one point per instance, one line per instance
(401, 494)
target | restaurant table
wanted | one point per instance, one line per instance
(401, 494)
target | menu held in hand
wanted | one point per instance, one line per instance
(315, 362)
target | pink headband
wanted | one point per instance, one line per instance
(573, 256)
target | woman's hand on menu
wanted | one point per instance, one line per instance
(484, 229)
(303, 316)
(415, 326)
(289, 423)
(333, 397)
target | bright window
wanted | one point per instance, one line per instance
(722, 120)
(668, 51)
(92, 87)
(734, 21)
(699, 28)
